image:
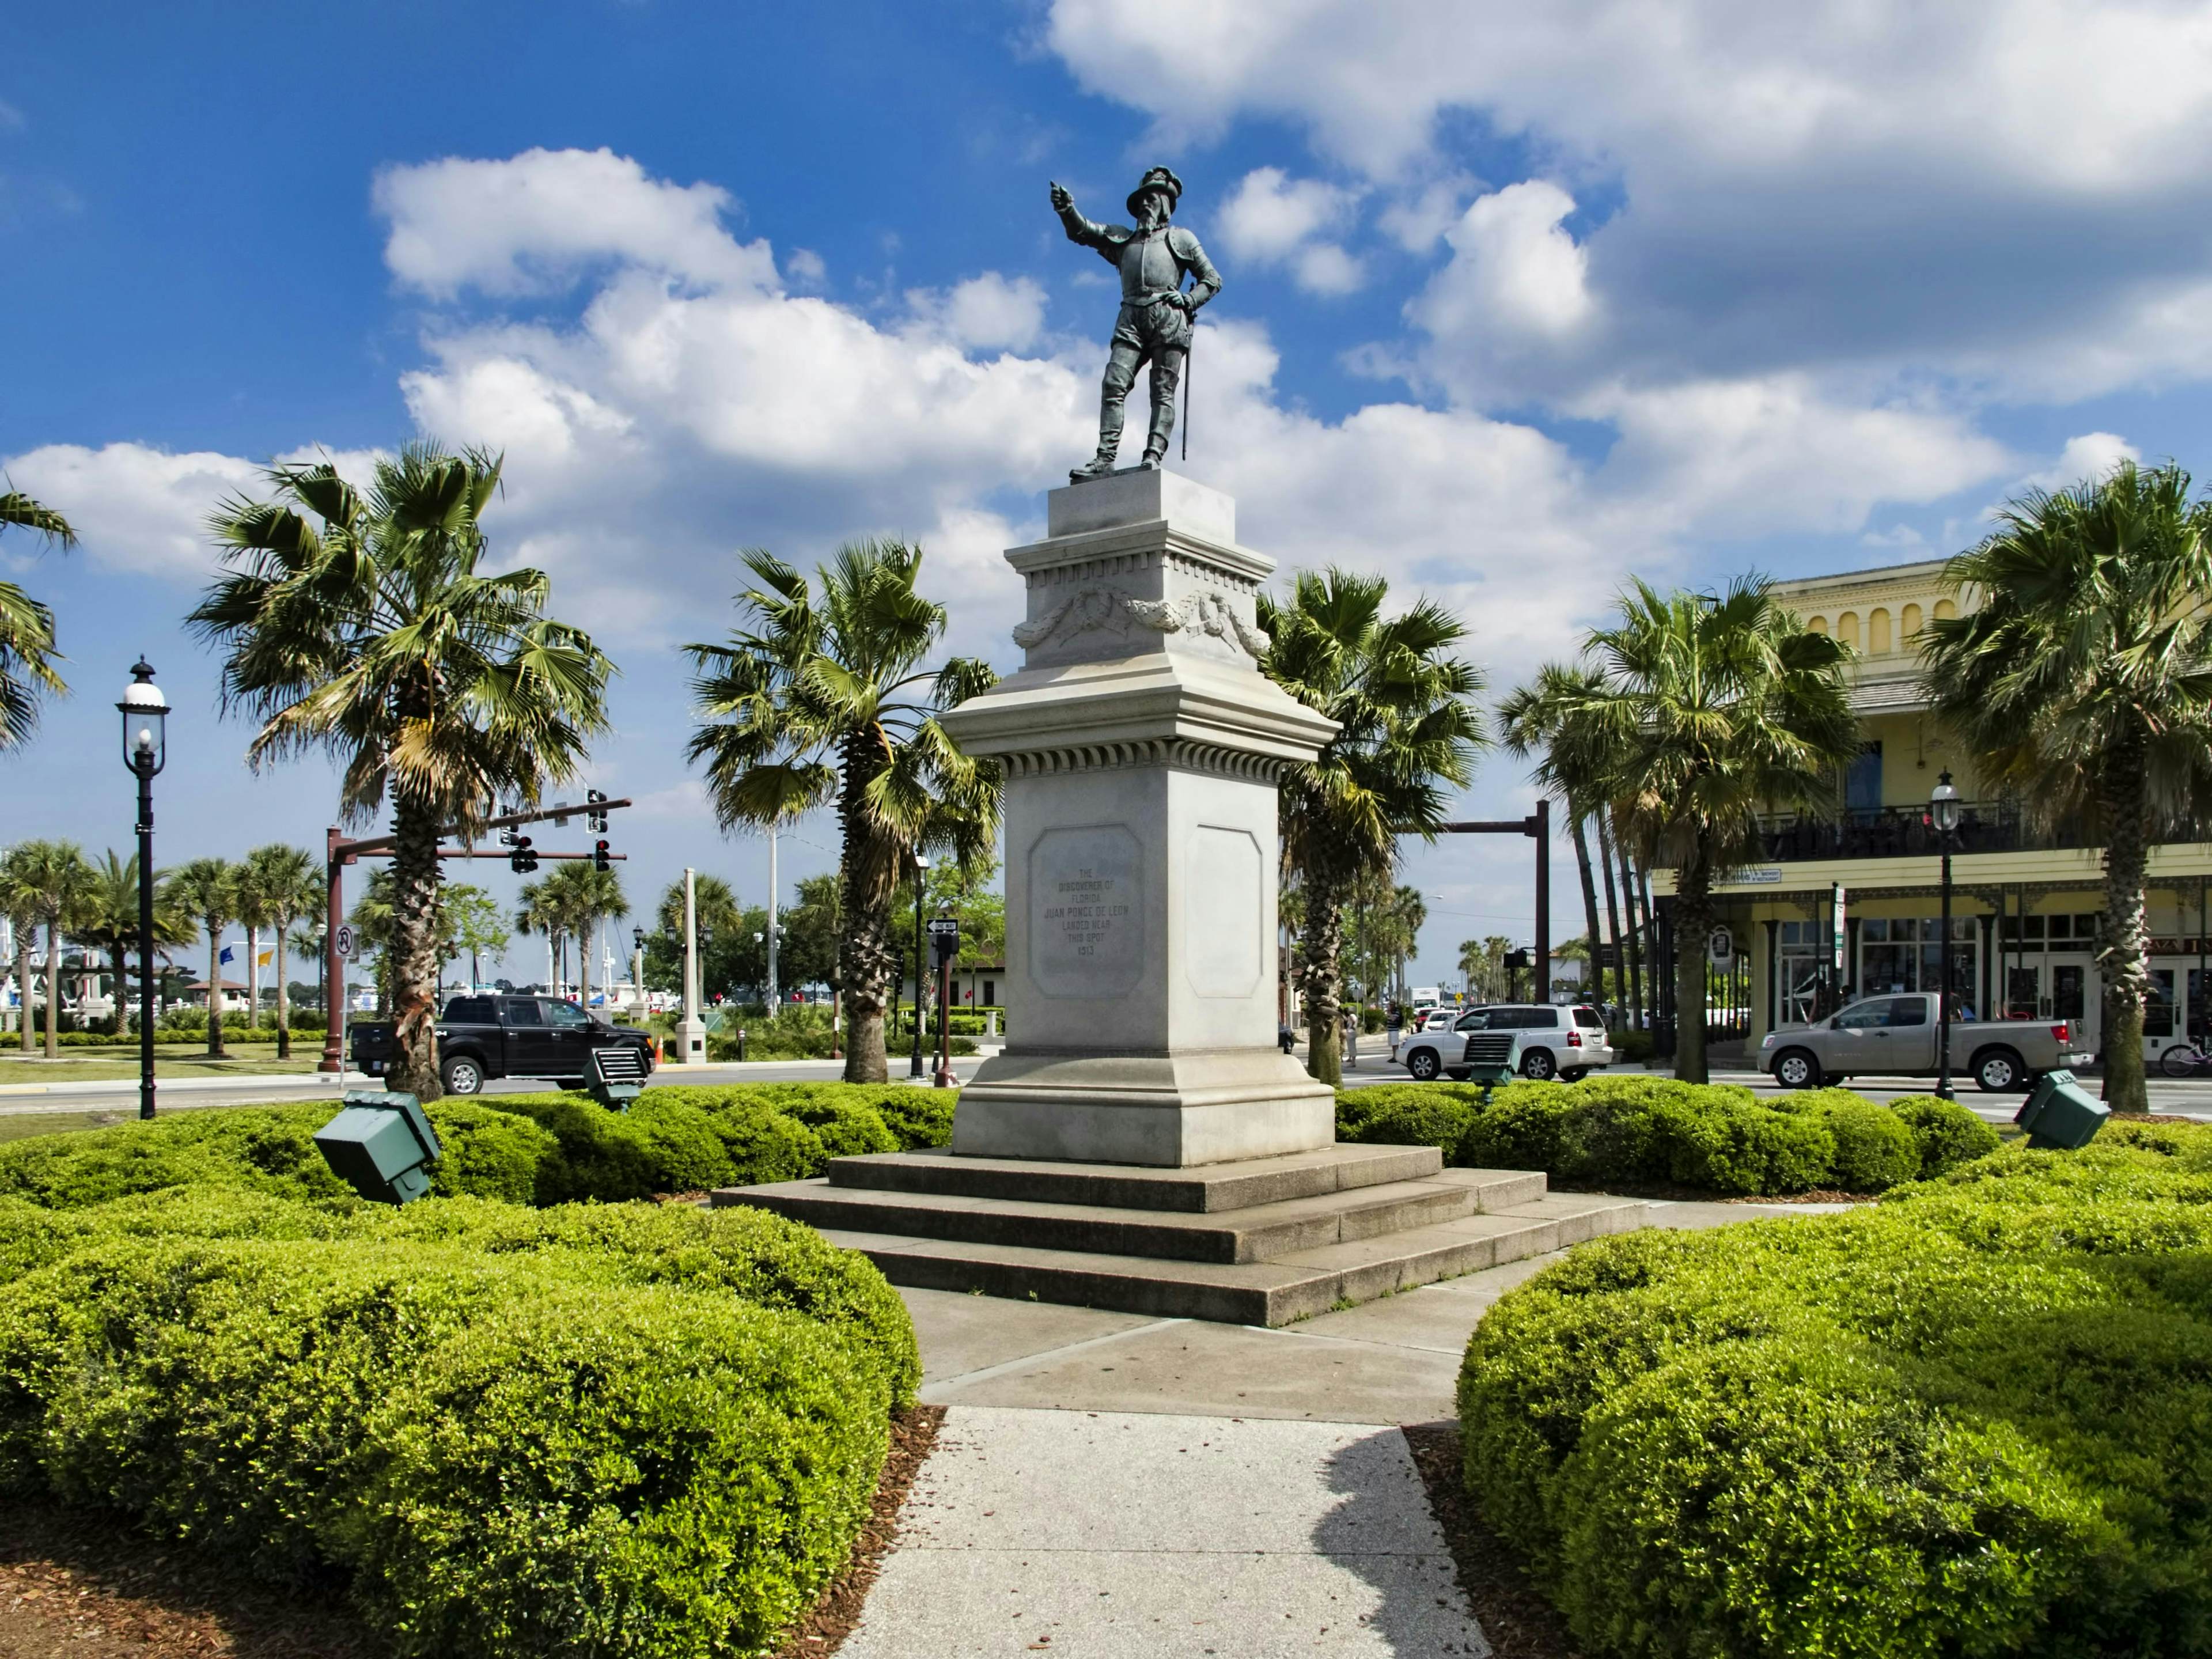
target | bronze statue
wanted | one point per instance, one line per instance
(1155, 323)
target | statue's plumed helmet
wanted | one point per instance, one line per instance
(1159, 179)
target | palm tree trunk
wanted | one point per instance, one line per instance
(413, 954)
(1589, 906)
(1320, 981)
(122, 1017)
(2123, 954)
(869, 872)
(284, 988)
(1612, 909)
(252, 977)
(1639, 905)
(1693, 913)
(584, 967)
(214, 987)
(54, 989)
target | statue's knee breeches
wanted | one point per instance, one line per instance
(1167, 375)
(1121, 373)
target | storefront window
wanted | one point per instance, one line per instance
(1905, 953)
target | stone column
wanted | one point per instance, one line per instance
(1142, 748)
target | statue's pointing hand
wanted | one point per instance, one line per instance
(1062, 201)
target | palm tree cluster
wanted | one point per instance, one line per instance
(1685, 719)
(27, 652)
(568, 905)
(1408, 730)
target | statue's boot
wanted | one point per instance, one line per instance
(1100, 466)
(1156, 444)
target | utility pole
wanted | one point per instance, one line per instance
(1538, 825)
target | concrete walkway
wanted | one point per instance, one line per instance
(1109, 1484)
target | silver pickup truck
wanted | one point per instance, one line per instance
(1895, 1036)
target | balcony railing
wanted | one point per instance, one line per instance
(1984, 826)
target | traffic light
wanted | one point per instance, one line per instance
(599, 859)
(522, 860)
(598, 817)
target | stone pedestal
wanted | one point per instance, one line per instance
(1142, 747)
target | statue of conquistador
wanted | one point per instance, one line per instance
(1155, 323)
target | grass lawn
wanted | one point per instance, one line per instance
(48, 1123)
(170, 1060)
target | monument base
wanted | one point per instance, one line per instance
(1174, 1111)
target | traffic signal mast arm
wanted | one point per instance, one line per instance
(339, 854)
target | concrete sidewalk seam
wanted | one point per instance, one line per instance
(1006, 1367)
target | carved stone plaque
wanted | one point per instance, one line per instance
(1086, 908)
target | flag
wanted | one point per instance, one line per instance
(262, 961)
(223, 960)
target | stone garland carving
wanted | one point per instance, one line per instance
(1201, 613)
(1182, 752)
(1108, 609)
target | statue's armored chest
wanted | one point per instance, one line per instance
(1148, 264)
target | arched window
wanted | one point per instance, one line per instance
(1945, 610)
(1817, 625)
(1847, 629)
(1878, 639)
(1911, 622)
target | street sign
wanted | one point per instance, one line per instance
(1720, 947)
(1835, 908)
(344, 942)
(944, 937)
(943, 925)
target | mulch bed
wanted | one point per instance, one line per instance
(91, 1584)
(1518, 1621)
(914, 1433)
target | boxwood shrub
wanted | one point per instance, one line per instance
(598, 1430)
(1651, 1130)
(1967, 1421)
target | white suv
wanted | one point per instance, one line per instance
(1568, 1043)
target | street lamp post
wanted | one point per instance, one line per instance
(145, 751)
(921, 869)
(637, 971)
(1943, 808)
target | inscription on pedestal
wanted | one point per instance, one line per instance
(1086, 913)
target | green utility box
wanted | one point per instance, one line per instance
(1492, 1058)
(2060, 1115)
(381, 1145)
(617, 1075)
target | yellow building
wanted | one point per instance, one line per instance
(2026, 899)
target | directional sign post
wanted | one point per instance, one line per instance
(945, 944)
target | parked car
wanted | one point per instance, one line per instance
(1439, 1019)
(1896, 1036)
(483, 1037)
(1568, 1043)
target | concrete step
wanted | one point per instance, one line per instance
(1209, 1189)
(1264, 1292)
(1254, 1233)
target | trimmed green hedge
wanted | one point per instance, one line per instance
(524, 1149)
(1629, 1131)
(1967, 1421)
(599, 1429)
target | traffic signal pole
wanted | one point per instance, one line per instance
(337, 853)
(1537, 824)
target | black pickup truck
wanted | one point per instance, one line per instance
(482, 1037)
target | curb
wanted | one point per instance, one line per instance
(307, 1080)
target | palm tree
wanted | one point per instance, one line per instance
(2083, 681)
(1622, 949)
(714, 908)
(27, 629)
(207, 890)
(359, 625)
(1690, 717)
(825, 700)
(1530, 723)
(573, 900)
(277, 885)
(1408, 731)
(48, 882)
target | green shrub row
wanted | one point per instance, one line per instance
(523, 1149)
(167, 1033)
(1633, 1131)
(1967, 1421)
(596, 1430)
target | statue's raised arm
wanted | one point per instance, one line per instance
(1154, 326)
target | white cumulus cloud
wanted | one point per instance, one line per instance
(1270, 219)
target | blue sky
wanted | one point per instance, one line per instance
(1518, 305)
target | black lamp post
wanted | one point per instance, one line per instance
(637, 970)
(1943, 808)
(921, 869)
(145, 751)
